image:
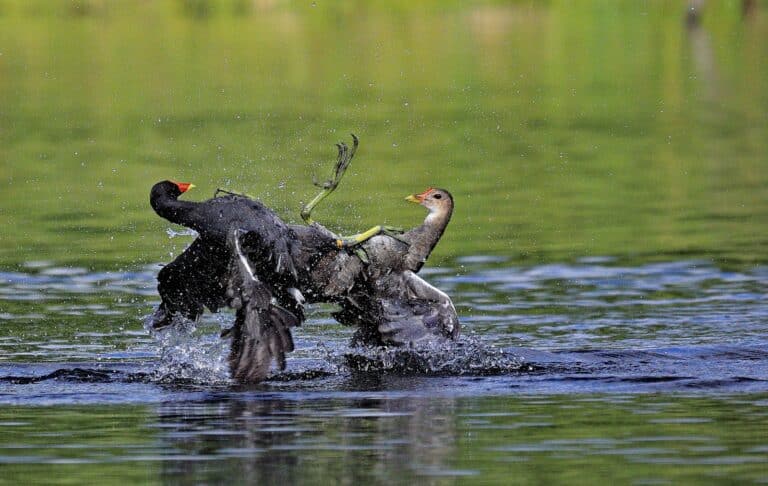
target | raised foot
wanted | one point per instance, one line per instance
(342, 163)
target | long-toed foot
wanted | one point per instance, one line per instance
(342, 163)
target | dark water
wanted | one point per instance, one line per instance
(649, 373)
(608, 254)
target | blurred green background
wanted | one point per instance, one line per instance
(564, 129)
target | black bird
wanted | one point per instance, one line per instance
(236, 236)
(246, 257)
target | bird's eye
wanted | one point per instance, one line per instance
(437, 196)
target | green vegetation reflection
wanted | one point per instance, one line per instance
(563, 129)
(573, 439)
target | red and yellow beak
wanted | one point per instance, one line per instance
(183, 186)
(418, 198)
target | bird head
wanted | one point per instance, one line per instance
(436, 200)
(164, 190)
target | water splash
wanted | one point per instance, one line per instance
(185, 232)
(467, 356)
(186, 356)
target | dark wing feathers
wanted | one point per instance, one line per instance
(262, 329)
(244, 257)
(266, 238)
(194, 280)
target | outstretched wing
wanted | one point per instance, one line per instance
(400, 309)
(418, 312)
(194, 280)
(262, 329)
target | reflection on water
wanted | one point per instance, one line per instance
(254, 438)
(293, 441)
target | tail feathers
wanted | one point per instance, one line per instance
(249, 356)
(262, 330)
(258, 337)
(279, 333)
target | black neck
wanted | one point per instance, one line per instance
(164, 199)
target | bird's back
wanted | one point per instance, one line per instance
(215, 217)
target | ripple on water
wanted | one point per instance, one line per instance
(594, 323)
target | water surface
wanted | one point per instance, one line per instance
(625, 370)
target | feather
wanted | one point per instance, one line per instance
(261, 333)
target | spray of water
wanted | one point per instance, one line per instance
(187, 356)
(185, 232)
(467, 356)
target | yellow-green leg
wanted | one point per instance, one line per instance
(353, 242)
(342, 163)
(360, 238)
